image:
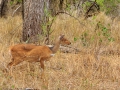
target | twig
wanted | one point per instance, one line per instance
(94, 4)
(16, 10)
(70, 15)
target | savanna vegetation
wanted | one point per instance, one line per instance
(93, 58)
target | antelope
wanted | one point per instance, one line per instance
(34, 53)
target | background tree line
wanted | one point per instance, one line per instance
(36, 13)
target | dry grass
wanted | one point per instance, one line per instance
(65, 71)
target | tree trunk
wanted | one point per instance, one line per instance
(23, 9)
(2, 7)
(34, 19)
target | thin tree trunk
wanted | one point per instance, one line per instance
(23, 9)
(2, 7)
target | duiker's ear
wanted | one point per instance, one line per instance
(61, 36)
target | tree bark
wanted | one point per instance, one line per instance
(2, 7)
(34, 19)
(23, 9)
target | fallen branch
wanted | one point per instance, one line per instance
(67, 49)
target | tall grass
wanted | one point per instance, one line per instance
(10, 31)
(66, 71)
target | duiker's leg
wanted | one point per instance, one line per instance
(42, 68)
(10, 64)
(14, 62)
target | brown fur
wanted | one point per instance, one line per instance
(33, 53)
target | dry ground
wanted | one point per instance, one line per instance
(65, 71)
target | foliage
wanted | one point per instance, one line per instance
(102, 35)
(84, 38)
(86, 5)
(46, 27)
(109, 6)
(12, 2)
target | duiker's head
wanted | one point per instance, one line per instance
(63, 40)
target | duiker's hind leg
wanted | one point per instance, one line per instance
(13, 63)
(10, 64)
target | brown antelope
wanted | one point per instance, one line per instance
(34, 53)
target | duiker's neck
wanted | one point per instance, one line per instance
(56, 46)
